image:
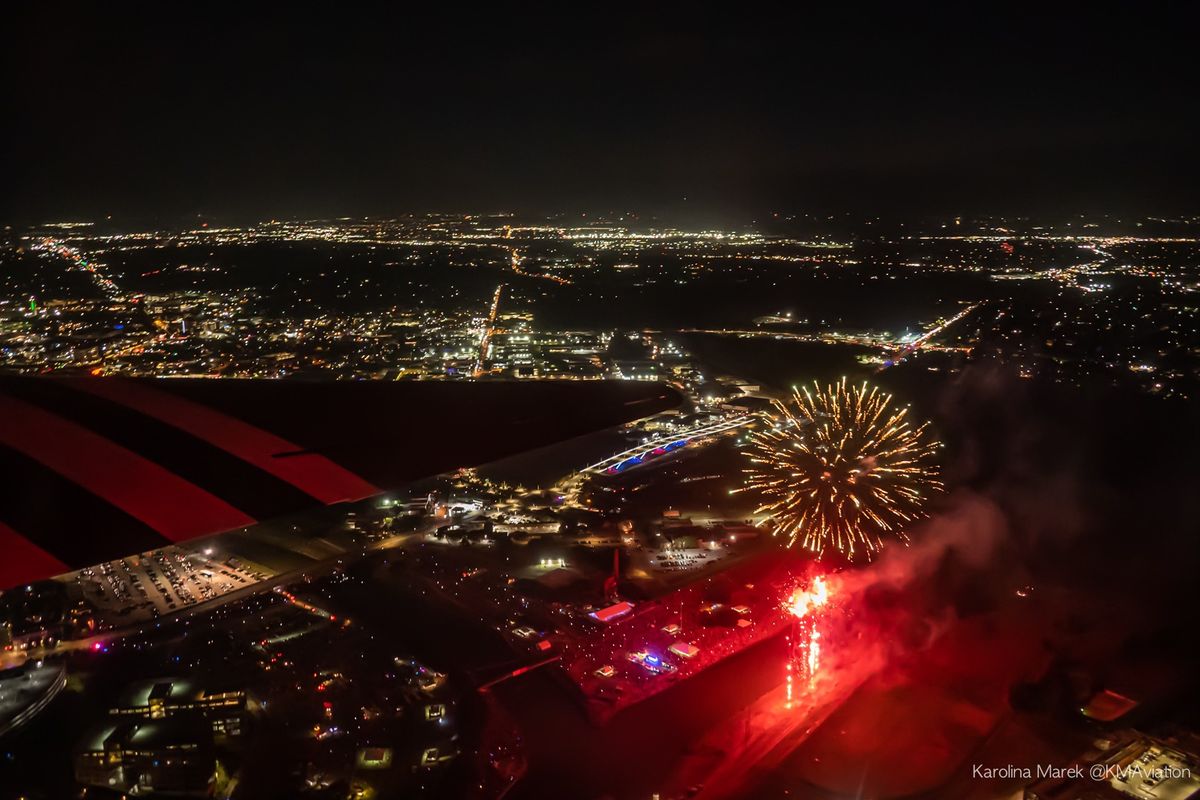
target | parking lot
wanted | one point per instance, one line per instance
(160, 582)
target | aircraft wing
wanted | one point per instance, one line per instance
(101, 468)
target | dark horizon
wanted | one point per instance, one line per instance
(249, 115)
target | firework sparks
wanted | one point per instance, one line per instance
(804, 640)
(842, 468)
(802, 602)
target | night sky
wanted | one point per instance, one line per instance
(161, 111)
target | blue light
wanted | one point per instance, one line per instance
(627, 463)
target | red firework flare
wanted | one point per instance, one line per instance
(804, 640)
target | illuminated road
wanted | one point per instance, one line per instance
(924, 339)
(515, 260)
(22, 697)
(824, 337)
(102, 281)
(488, 328)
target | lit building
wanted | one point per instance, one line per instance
(171, 755)
(162, 698)
(637, 370)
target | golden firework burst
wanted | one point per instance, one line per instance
(840, 467)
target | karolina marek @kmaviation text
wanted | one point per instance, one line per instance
(1099, 772)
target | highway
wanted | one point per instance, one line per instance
(22, 697)
(893, 346)
(488, 328)
(912, 347)
(515, 260)
(102, 281)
